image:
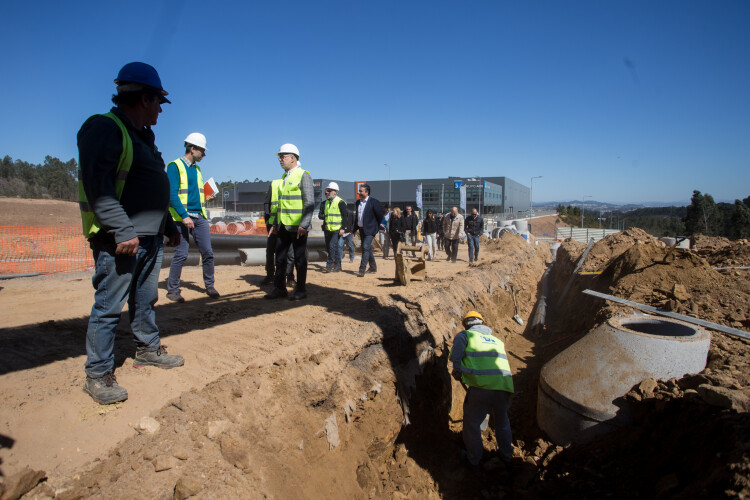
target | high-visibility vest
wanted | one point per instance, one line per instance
(274, 208)
(290, 199)
(91, 224)
(485, 364)
(332, 214)
(182, 191)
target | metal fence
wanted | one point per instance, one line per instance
(583, 234)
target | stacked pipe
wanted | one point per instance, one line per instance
(227, 248)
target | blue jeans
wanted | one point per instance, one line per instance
(473, 242)
(367, 255)
(117, 279)
(334, 255)
(477, 405)
(202, 238)
(347, 240)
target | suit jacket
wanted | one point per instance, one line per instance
(371, 216)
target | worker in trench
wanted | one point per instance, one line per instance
(480, 362)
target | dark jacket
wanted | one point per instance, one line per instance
(429, 226)
(439, 226)
(474, 225)
(142, 210)
(410, 221)
(396, 228)
(371, 217)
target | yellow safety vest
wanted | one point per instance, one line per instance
(91, 224)
(333, 214)
(182, 191)
(275, 188)
(290, 199)
(485, 364)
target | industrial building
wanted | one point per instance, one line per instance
(497, 197)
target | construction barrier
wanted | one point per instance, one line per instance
(44, 249)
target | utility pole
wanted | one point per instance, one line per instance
(389, 184)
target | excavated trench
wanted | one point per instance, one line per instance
(374, 414)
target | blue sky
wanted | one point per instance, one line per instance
(629, 101)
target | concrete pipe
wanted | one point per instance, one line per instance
(580, 388)
(495, 233)
(522, 226)
(257, 256)
(506, 223)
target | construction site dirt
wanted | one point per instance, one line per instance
(348, 394)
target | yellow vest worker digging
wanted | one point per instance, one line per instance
(485, 364)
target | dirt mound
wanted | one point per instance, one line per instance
(607, 249)
(722, 252)
(24, 211)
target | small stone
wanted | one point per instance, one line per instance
(216, 427)
(186, 487)
(332, 432)
(724, 397)
(647, 387)
(181, 453)
(680, 293)
(162, 462)
(149, 425)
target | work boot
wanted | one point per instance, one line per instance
(351, 259)
(105, 390)
(298, 295)
(158, 358)
(372, 271)
(276, 293)
(290, 281)
(211, 292)
(175, 297)
(267, 280)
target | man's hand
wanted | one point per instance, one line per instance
(174, 240)
(301, 231)
(341, 232)
(129, 247)
(273, 230)
(188, 221)
(456, 374)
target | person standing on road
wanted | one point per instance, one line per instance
(188, 208)
(410, 223)
(369, 215)
(481, 363)
(123, 194)
(270, 213)
(396, 232)
(453, 226)
(474, 228)
(439, 220)
(383, 238)
(429, 230)
(296, 206)
(334, 213)
(348, 238)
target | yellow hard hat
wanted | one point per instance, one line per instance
(472, 314)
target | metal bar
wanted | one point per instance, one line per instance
(707, 324)
(575, 271)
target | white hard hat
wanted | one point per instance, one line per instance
(288, 148)
(196, 139)
(333, 185)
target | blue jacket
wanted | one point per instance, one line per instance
(371, 217)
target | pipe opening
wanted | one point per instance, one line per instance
(658, 327)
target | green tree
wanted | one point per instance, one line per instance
(702, 215)
(740, 221)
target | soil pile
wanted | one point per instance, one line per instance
(722, 252)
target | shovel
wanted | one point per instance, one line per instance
(516, 317)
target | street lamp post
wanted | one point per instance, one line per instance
(389, 183)
(583, 205)
(531, 196)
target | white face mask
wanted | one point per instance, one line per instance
(331, 195)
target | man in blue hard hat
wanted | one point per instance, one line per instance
(123, 195)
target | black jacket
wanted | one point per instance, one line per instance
(474, 225)
(396, 227)
(429, 226)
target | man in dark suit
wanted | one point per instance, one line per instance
(369, 214)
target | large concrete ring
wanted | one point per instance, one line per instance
(580, 388)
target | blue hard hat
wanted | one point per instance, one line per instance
(145, 74)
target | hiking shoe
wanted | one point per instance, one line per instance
(175, 297)
(105, 390)
(276, 293)
(158, 358)
(267, 280)
(298, 295)
(361, 274)
(372, 271)
(211, 292)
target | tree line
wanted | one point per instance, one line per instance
(703, 215)
(52, 179)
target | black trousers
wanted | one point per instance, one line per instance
(271, 257)
(451, 248)
(299, 247)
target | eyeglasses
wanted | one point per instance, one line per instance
(284, 155)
